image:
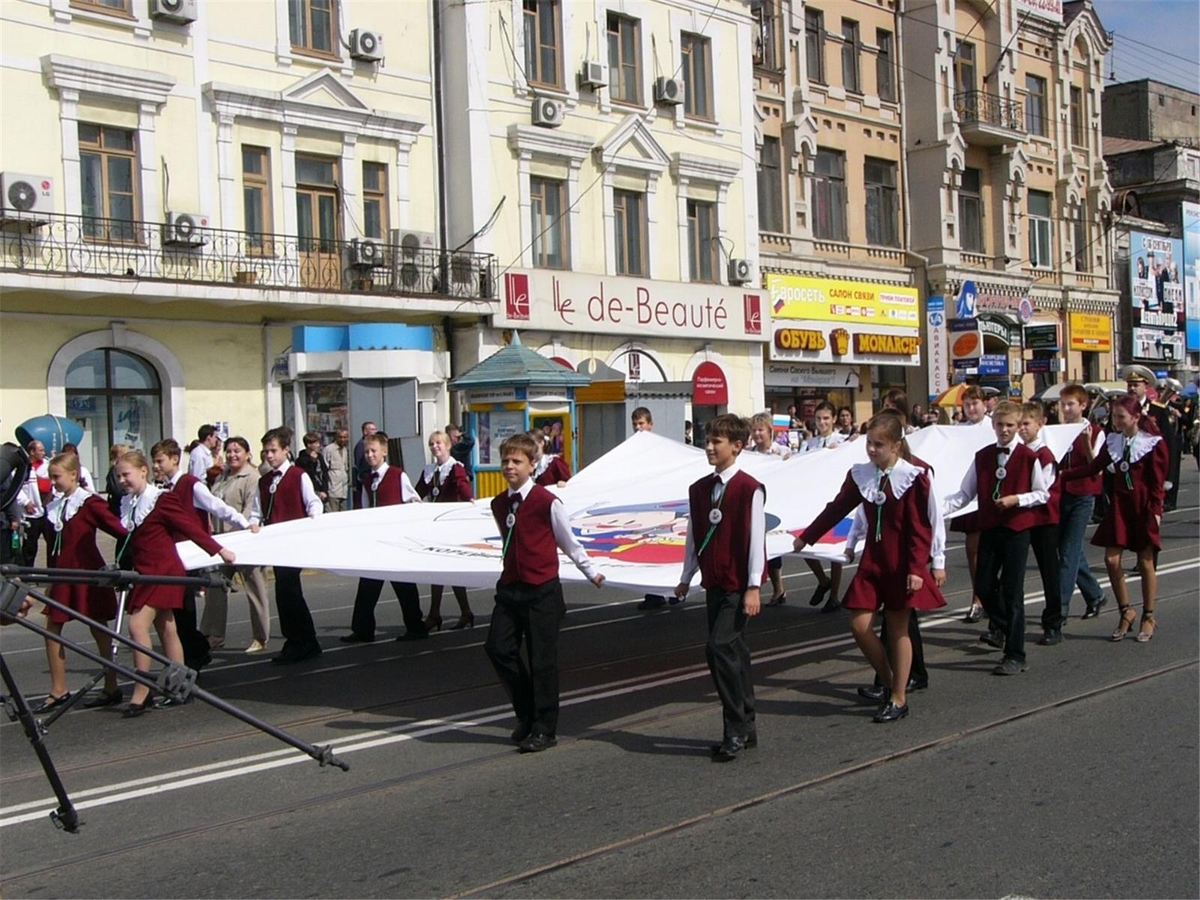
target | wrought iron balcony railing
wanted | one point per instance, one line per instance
(110, 248)
(980, 108)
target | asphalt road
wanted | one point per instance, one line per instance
(1078, 778)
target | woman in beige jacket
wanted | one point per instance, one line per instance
(237, 486)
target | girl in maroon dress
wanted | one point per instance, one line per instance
(445, 481)
(1138, 458)
(898, 507)
(156, 520)
(72, 518)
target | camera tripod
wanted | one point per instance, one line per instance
(178, 682)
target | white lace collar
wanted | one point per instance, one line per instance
(445, 468)
(1141, 444)
(542, 464)
(901, 478)
(135, 509)
(62, 509)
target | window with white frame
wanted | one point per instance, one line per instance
(703, 243)
(629, 232)
(548, 224)
(1040, 229)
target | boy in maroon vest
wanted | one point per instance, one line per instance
(1043, 536)
(1008, 482)
(726, 542)
(286, 493)
(384, 485)
(1076, 505)
(529, 599)
(166, 456)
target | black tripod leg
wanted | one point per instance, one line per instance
(65, 816)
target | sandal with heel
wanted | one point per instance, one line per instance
(1146, 632)
(1128, 617)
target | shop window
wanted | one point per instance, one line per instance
(970, 211)
(326, 409)
(814, 44)
(629, 224)
(1039, 229)
(703, 246)
(883, 207)
(313, 26)
(829, 195)
(770, 186)
(624, 59)
(108, 165)
(1035, 104)
(547, 222)
(851, 50)
(375, 200)
(256, 198)
(697, 68)
(117, 398)
(542, 42)
(885, 80)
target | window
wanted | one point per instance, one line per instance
(1078, 136)
(117, 398)
(879, 176)
(629, 224)
(1039, 229)
(108, 184)
(970, 211)
(697, 68)
(624, 66)
(107, 6)
(256, 197)
(318, 205)
(814, 44)
(766, 34)
(312, 25)
(541, 43)
(703, 245)
(1035, 104)
(770, 186)
(375, 200)
(1080, 238)
(850, 50)
(964, 68)
(885, 83)
(829, 195)
(546, 205)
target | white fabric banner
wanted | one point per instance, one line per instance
(628, 509)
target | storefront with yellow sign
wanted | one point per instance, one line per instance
(1089, 345)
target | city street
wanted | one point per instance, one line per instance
(1078, 778)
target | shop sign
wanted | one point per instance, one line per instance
(966, 343)
(1041, 337)
(1043, 9)
(799, 339)
(495, 395)
(709, 387)
(549, 300)
(1149, 344)
(1002, 331)
(818, 342)
(1155, 282)
(993, 364)
(830, 300)
(869, 343)
(1090, 331)
(935, 344)
(782, 374)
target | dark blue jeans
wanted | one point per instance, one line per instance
(1074, 518)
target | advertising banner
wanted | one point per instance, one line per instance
(1155, 282)
(1191, 269)
(802, 341)
(966, 343)
(856, 302)
(1090, 331)
(935, 355)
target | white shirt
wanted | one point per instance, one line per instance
(312, 503)
(969, 489)
(203, 498)
(823, 443)
(200, 460)
(1097, 441)
(758, 536)
(1049, 472)
(773, 449)
(29, 491)
(564, 537)
(408, 493)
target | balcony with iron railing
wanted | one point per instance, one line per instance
(988, 119)
(84, 246)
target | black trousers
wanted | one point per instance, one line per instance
(195, 645)
(362, 621)
(729, 662)
(1043, 540)
(34, 529)
(530, 616)
(295, 621)
(918, 671)
(1000, 583)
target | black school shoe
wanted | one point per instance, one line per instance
(891, 713)
(521, 732)
(728, 749)
(1010, 666)
(652, 601)
(536, 743)
(1051, 637)
(992, 638)
(287, 656)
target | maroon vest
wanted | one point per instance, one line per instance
(390, 491)
(1048, 514)
(532, 554)
(287, 503)
(1078, 456)
(1018, 480)
(725, 558)
(185, 487)
(454, 489)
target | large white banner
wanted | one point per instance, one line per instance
(629, 509)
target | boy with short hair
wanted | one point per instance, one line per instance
(1077, 503)
(286, 493)
(726, 542)
(1007, 481)
(529, 599)
(1043, 536)
(974, 411)
(641, 419)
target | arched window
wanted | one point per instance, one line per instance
(117, 398)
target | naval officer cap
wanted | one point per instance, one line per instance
(1138, 373)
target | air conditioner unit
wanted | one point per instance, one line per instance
(414, 263)
(365, 253)
(179, 11)
(25, 196)
(668, 91)
(547, 113)
(184, 230)
(366, 45)
(741, 271)
(593, 75)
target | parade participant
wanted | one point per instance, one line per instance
(1007, 481)
(1043, 536)
(384, 485)
(548, 468)
(974, 410)
(156, 520)
(461, 446)
(337, 460)
(112, 487)
(313, 462)
(1138, 459)
(285, 494)
(898, 569)
(762, 440)
(360, 464)
(529, 599)
(195, 495)
(1076, 504)
(991, 398)
(845, 422)
(86, 481)
(445, 481)
(726, 543)
(72, 518)
(200, 457)
(641, 419)
(237, 487)
(825, 439)
(1168, 400)
(898, 400)
(34, 496)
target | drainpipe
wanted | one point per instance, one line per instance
(439, 143)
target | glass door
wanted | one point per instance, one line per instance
(317, 216)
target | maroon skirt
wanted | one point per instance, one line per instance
(99, 603)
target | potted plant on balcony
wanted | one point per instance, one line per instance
(245, 276)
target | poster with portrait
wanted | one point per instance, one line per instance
(1156, 281)
(555, 429)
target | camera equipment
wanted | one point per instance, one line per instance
(14, 470)
(175, 681)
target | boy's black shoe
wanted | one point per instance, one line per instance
(522, 731)
(355, 638)
(875, 692)
(652, 601)
(536, 743)
(1093, 609)
(750, 740)
(728, 749)
(1010, 666)
(891, 713)
(831, 605)
(290, 657)
(917, 684)
(992, 638)
(819, 594)
(1051, 637)
(675, 601)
